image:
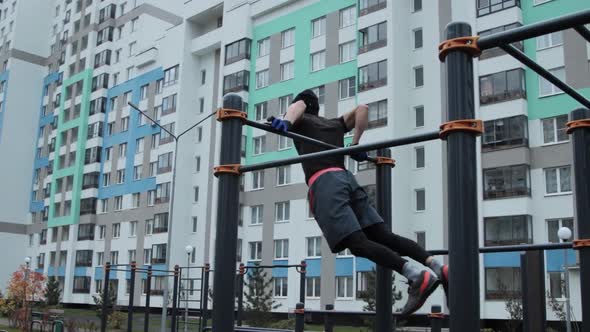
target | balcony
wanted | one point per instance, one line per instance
(158, 230)
(372, 85)
(372, 46)
(158, 260)
(207, 42)
(372, 8)
(506, 193)
(495, 6)
(146, 57)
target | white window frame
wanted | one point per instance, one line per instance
(132, 228)
(347, 17)
(415, 111)
(414, 73)
(416, 148)
(260, 111)
(549, 40)
(347, 51)
(414, 31)
(347, 82)
(313, 281)
(285, 209)
(287, 70)
(254, 254)
(285, 143)
(282, 281)
(263, 47)
(316, 244)
(258, 145)
(258, 180)
(554, 90)
(116, 230)
(318, 27)
(555, 131)
(558, 176)
(256, 214)
(262, 79)
(321, 61)
(287, 38)
(283, 175)
(281, 249)
(416, 200)
(348, 285)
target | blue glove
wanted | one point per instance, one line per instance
(359, 156)
(280, 124)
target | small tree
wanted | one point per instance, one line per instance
(258, 297)
(513, 306)
(52, 291)
(369, 295)
(26, 285)
(111, 300)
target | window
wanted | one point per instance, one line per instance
(284, 103)
(99, 258)
(377, 114)
(372, 76)
(502, 282)
(237, 51)
(165, 163)
(163, 192)
(546, 88)
(420, 195)
(419, 116)
(318, 27)
(417, 5)
(496, 51)
(263, 47)
(120, 176)
(137, 172)
(259, 144)
(312, 287)
(508, 230)
(197, 164)
(114, 257)
(83, 258)
(262, 78)
(199, 134)
(153, 169)
(203, 77)
(558, 180)
(169, 104)
(285, 143)
(133, 227)
(554, 129)
(135, 200)
(118, 203)
(418, 40)
(134, 24)
(556, 285)
(257, 214)
(347, 87)
(149, 226)
(102, 232)
(344, 287)
(139, 145)
(260, 111)
(165, 137)
(255, 251)
(160, 223)
(419, 157)
(505, 133)
(347, 16)
(282, 211)
(116, 230)
(347, 51)
(314, 246)
(550, 40)
(502, 86)
(288, 38)
(418, 76)
(318, 61)
(257, 180)
(282, 249)
(485, 7)
(236, 82)
(554, 225)
(280, 286)
(373, 37)
(196, 194)
(201, 105)
(369, 6)
(283, 175)
(194, 224)
(103, 205)
(159, 86)
(363, 278)
(81, 285)
(510, 181)
(287, 70)
(65, 233)
(85, 232)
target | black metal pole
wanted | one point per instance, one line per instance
(383, 286)
(534, 314)
(299, 317)
(523, 58)
(131, 297)
(205, 297)
(581, 146)
(534, 30)
(201, 299)
(227, 219)
(436, 318)
(240, 313)
(462, 189)
(148, 291)
(174, 298)
(512, 248)
(328, 321)
(105, 297)
(585, 33)
(430, 136)
(302, 281)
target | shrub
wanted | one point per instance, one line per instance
(116, 320)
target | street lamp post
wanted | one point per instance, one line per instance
(171, 208)
(565, 234)
(189, 251)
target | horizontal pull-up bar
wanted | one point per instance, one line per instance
(524, 59)
(295, 136)
(534, 30)
(430, 136)
(585, 33)
(513, 248)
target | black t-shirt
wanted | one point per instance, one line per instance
(330, 131)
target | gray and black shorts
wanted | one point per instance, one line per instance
(340, 206)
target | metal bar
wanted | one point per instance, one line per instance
(523, 58)
(175, 292)
(532, 273)
(302, 275)
(152, 120)
(131, 295)
(383, 284)
(227, 220)
(205, 296)
(299, 317)
(295, 136)
(328, 321)
(201, 300)
(240, 312)
(462, 189)
(534, 30)
(585, 33)
(512, 248)
(105, 297)
(270, 266)
(436, 319)
(581, 146)
(430, 136)
(148, 290)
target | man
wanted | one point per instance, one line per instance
(341, 207)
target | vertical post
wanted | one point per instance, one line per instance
(299, 317)
(227, 218)
(174, 299)
(383, 286)
(462, 189)
(205, 297)
(581, 146)
(131, 293)
(328, 321)
(105, 297)
(532, 274)
(436, 318)
(302, 280)
(240, 312)
(148, 290)
(568, 307)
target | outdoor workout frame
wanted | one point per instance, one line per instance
(460, 133)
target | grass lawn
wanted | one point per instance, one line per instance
(336, 329)
(9, 329)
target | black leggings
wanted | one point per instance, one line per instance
(383, 247)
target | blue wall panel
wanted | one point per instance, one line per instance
(502, 259)
(363, 264)
(344, 266)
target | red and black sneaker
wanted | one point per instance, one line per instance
(444, 280)
(419, 291)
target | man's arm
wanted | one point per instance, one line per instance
(358, 119)
(295, 112)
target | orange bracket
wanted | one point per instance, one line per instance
(473, 126)
(299, 311)
(384, 161)
(467, 44)
(231, 168)
(583, 243)
(437, 315)
(242, 269)
(207, 267)
(226, 113)
(573, 125)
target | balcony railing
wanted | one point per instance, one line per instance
(158, 260)
(372, 85)
(497, 6)
(505, 193)
(502, 97)
(373, 8)
(158, 230)
(504, 144)
(372, 46)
